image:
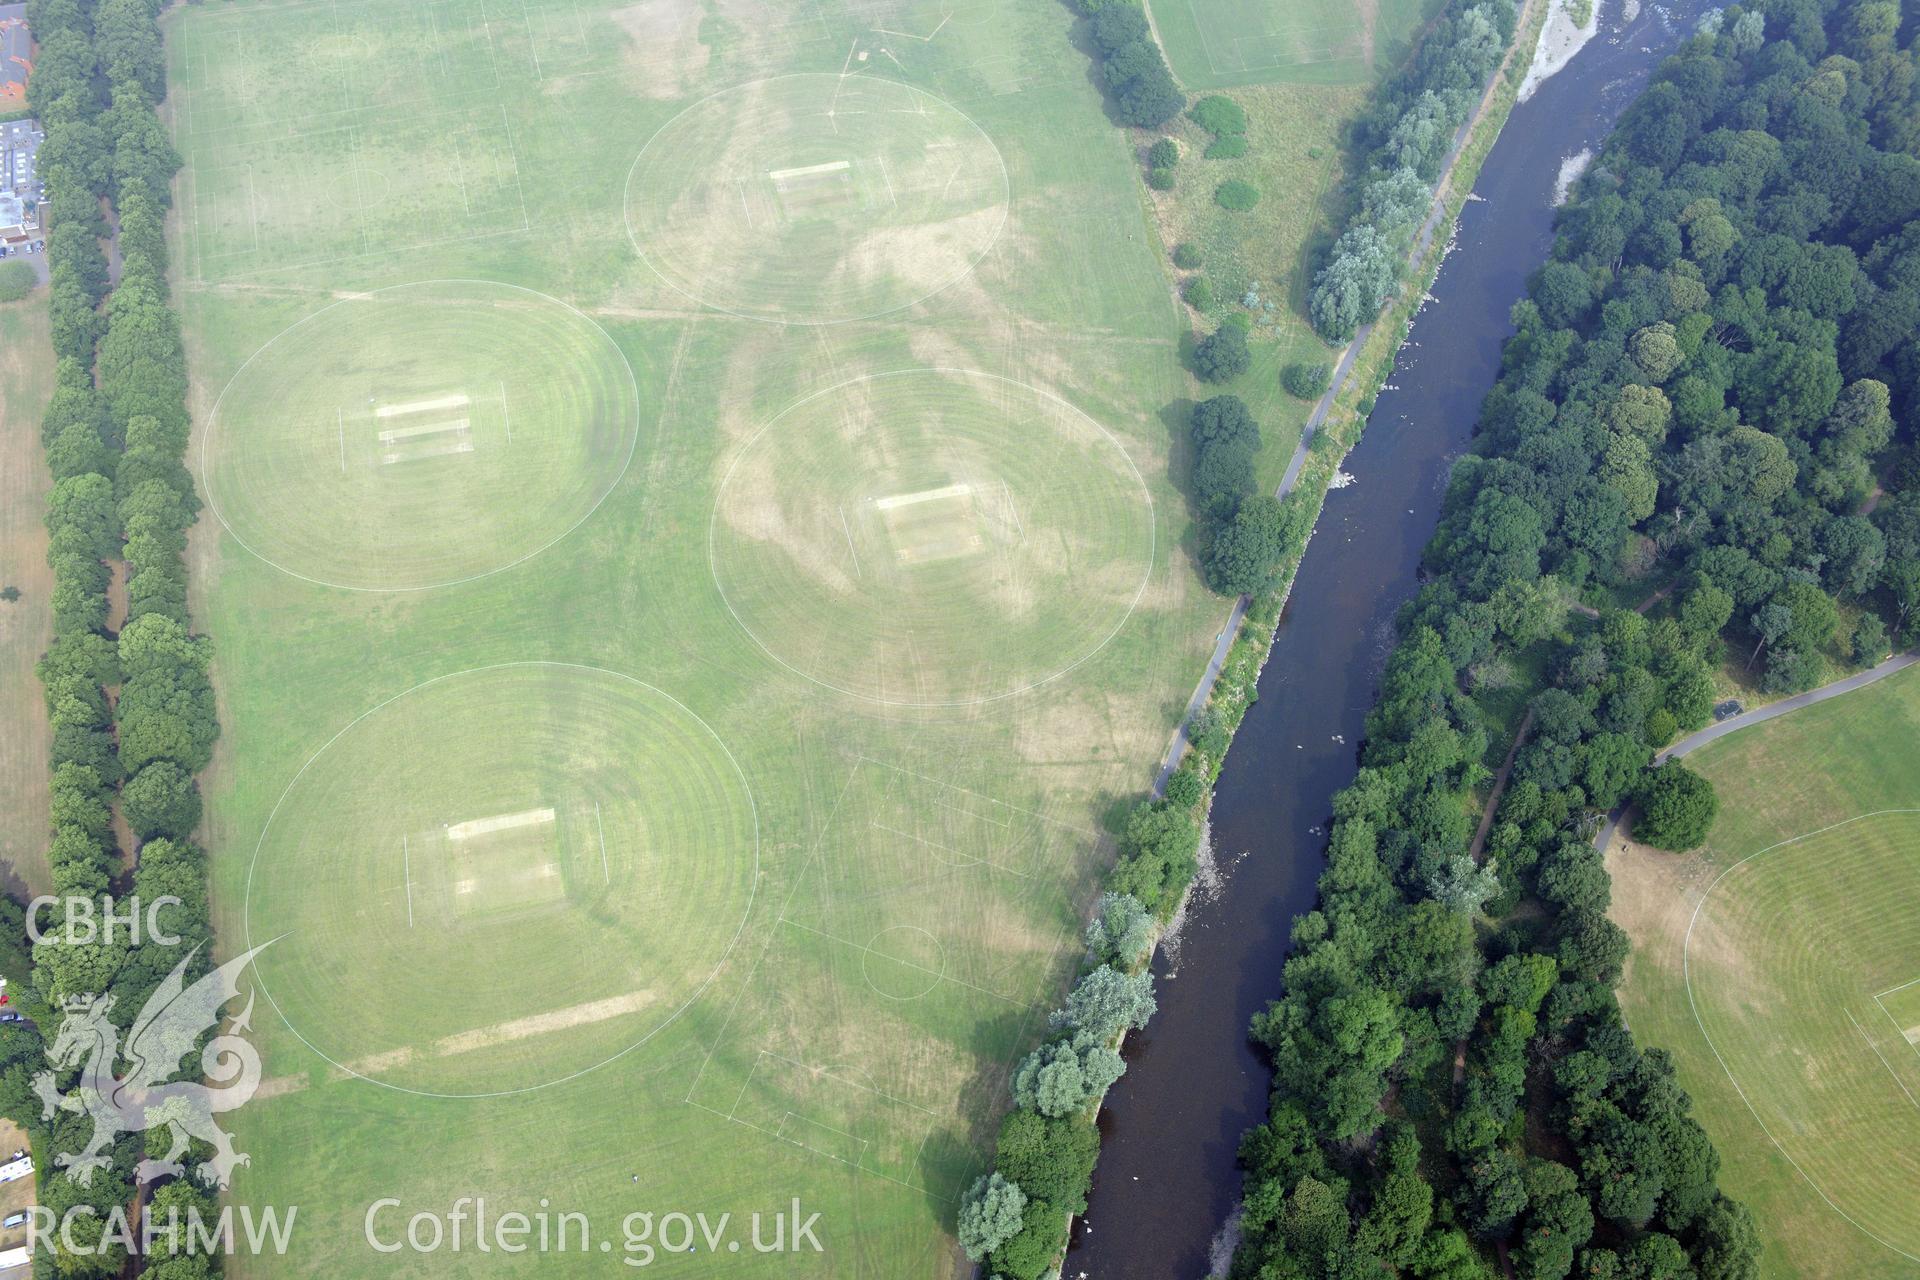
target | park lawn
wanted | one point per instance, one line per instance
(1786, 946)
(1221, 44)
(921, 856)
(1294, 160)
(26, 624)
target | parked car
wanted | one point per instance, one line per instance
(11, 1016)
(14, 1220)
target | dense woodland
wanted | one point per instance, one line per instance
(129, 698)
(1701, 399)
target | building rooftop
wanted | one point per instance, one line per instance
(16, 55)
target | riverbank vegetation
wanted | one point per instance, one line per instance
(1013, 1219)
(125, 678)
(1704, 378)
(1405, 136)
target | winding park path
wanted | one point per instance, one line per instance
(1759, 715)
(1732, 724)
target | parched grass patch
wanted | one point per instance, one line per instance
(913, 930)
(502, 879)
(945, 937)
(1292, 156)
(1803, 964)
(1785, 1008)
(932, 537)
(420, 435)
(816, 198)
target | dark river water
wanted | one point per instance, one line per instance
(1167, 1179)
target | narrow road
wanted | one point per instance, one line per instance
(1713, 732)
(1733, 724)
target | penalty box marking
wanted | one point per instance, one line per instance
(1910, 1034)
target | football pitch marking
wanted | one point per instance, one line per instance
(600, 830)
(1882, 1057)
(1686, 971)
(919, 957)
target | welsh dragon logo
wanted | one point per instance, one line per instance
(147, 1097)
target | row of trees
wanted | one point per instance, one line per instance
(1246, 535)
(1014, 1219)
(1404, 135)
(1701, 396)
(115, 434)
(1139, 85)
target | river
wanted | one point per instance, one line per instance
(1167, 1179)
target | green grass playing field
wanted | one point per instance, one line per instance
(1781, 966)
(1218, 44)
(694, 567)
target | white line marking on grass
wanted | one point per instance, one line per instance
(460, 176)
(950, 786)
(967, 859)
(506, 129)
(532, 50)
(908, 35)
(846, 529)
(1883, 1060)
(1686, 974)
(505, 412)
(1902, 987)
(340, 425)
(605, 872)
(968, 813)
(745, 208)
(781, 1133)
(1910, 1034)
(406, 875)
(847, 1080)
(439, 44)
(253, 211)
(944, 977)
(891, 199)
(853, 771)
